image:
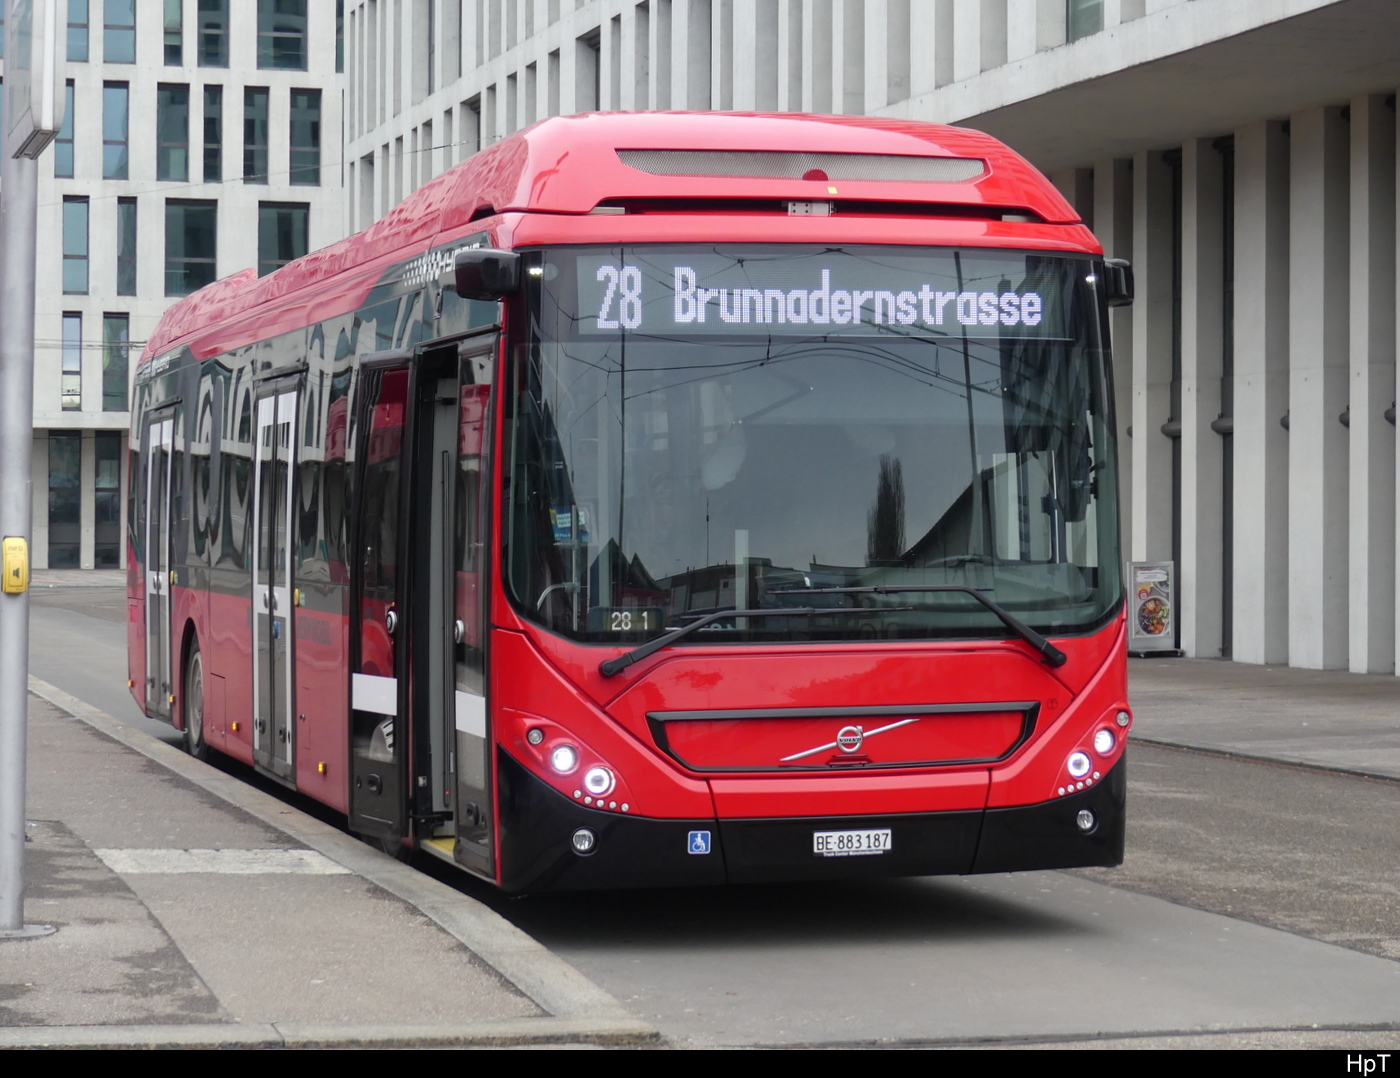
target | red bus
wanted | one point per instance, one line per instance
(659, 499)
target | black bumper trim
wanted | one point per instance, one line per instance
(1047, 836)
(537, 824)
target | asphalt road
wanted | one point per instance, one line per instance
(1257, 901)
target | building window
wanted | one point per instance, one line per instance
(190, 245)
(306, 138)
(126, 246)
(65, 499)
(75, 246)
(172, 132)
(63, 145)
(1082, 18)
(107, 516)
(174, 32)
(213, 134)
(71, 387)
(255, 134)
(116, 348)
(213, 33)
(282, 34)
(119, 31)
(283, 233)
(78, 31)
(114, 130)
(340, 36)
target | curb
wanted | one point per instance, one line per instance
(578, 1009)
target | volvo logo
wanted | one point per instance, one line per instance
(849, 739)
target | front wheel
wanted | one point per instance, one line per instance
(194, 706)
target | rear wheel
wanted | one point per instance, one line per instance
(194, 706)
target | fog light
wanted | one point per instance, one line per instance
(534, 736)
(563, 759)
(584, 841)
(1078, 764)
(598, 781)
(1085, 821)
(1104, 741)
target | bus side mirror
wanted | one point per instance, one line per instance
(1118, 282)
(486, 273)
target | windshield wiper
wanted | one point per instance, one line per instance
(609, 667)
(1048, 651)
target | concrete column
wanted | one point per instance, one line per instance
(945, 42)
(876, 62)
(993, 34)
(1113, 224)
(1371, 465)
(661, 45)
(1050, 24)
(967, 40)
(924, 46)
(1261, 394)
(1152, 358)
(1202, 309)
(1022, 25)
(87, 499)
(1319, 230)
(1077, 185)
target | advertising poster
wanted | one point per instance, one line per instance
(1152, 608)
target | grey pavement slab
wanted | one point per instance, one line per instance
(1030, 956)
(262, 946)
(1329, 719)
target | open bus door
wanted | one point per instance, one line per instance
(274, 687)
(420, 750)
(158, 473)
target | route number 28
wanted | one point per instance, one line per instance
(624, 285)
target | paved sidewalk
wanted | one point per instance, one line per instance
(78, 578)
(1327, 719)
(196, 910)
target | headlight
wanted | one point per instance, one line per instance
(563, 758)
(598, 781)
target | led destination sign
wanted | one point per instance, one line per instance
(931, 293)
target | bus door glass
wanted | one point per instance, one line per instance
(377, 734)
(157, 460)
(274, 449)
(471, 504)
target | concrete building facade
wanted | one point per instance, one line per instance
(202, 137)
(1241, 152)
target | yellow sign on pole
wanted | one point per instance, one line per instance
(15, 580)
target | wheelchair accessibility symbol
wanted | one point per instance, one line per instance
(698, 842)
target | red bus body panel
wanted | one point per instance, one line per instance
(994, 725)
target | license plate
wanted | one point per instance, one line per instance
(851, 843)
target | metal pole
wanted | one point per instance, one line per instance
(18, 227)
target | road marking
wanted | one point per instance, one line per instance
(225, 862)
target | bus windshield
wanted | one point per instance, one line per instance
(701, 429)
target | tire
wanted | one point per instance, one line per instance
(193, 706)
